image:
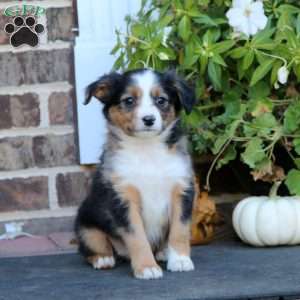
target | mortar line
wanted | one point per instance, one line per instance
(35, 131)
(52, 192)
(38, 214)
(45, 4)
(35, 172)
(44, 109)
(57, 45)
(57, 86)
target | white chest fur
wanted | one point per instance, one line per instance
(148, 165)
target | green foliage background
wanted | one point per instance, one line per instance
(239, 111)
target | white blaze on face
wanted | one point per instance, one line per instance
(146, 108)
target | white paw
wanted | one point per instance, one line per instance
(180, 264)
(150, 273)
(161, 256)
(104, 262)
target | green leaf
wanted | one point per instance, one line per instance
(262, 37)
(277, 64)
(259, 90)
(265, 123)
(215, 74)
(293, 182)
(261, 71)
(184, 28)
(291, 120)
(248, 60)
(298, 24)
(203, 63)
(254, 152)
(190, 60)
(219, 143)
(268, 45)
(297, 162)
(222, 46)
(229, 154)
(260, 106)
(166, 54)
(206, 20)
(216, 58)
(288, 8)
(238, 52)
(296, 144)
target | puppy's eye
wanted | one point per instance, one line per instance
(128, 102)
(162, 102)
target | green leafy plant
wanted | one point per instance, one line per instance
(243, 110)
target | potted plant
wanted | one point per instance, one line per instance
(243, 57)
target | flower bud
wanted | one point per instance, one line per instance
(282, 74)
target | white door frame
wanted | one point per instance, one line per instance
(97, 21)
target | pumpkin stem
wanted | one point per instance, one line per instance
(274, 189)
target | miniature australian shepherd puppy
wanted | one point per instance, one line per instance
(141, 199)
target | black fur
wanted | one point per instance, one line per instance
(175, 134)
(179, 89)
(187, 203)
(102, 209)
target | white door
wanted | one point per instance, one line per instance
(97, 20)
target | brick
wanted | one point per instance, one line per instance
(60, 108)
(19, 111)
(34, 67)
(60, 23)
(16, 153)
(25, 110)
(54, 150)
(23, 193)
(72, 188)
(5, 112)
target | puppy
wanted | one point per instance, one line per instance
(141, 199)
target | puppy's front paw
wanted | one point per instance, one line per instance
(103, 262)
(179, 263)
(153, 272)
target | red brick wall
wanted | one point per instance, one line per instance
(39, 171)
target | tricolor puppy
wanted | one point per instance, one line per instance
(141, 199)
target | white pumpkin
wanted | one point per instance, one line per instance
(268, 221)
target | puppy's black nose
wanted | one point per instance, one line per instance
(148, 120)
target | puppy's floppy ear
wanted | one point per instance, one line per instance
(185, 93)
(103, 88)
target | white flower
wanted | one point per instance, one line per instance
(282, 75)
(167, 31)
(247, 16)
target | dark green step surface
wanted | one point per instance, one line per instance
(224, 270)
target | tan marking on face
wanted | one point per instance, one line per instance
(179, 237)
(122, 119)
(135, 240)
(96, 240)
(157, 91)
(134, 91)
(101, 90)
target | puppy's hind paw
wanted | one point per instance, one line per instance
(103, 262)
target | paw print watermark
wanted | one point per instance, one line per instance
(24, 31)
